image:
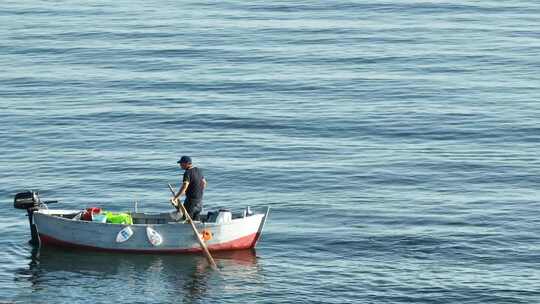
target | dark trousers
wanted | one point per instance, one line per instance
(193, 207)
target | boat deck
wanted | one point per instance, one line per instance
(144, 218)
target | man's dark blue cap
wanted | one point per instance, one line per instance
(185, 159)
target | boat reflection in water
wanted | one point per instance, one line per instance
(165, 277)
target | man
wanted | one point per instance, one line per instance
(193, 185)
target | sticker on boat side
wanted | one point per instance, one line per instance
(124, 234)
(153, 236)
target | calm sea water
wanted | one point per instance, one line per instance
(396, 142)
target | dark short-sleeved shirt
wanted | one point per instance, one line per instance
(195, 188)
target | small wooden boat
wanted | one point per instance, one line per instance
(143, 233)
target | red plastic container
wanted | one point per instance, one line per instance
(87, 215)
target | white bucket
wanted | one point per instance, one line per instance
(223, 217)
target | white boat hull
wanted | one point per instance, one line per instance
(176, 237)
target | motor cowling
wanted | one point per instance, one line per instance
(26, 200)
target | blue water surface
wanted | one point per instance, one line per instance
(395, 141)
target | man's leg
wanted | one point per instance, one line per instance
(193, 208)
(195, 212)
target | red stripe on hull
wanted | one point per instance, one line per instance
(245, 242)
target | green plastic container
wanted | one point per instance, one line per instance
(119, 218)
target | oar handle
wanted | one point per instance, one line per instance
(172, 189)
(174, 193)
(197, 235)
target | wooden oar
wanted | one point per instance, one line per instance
(197, 235)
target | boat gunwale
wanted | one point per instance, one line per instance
(55, 212)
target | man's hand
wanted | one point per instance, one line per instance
(174, 202)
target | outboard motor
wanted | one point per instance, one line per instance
(26, 200)
(30, 201)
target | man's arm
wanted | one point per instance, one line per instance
(204, 183)
(182, 190)
(185, 183)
